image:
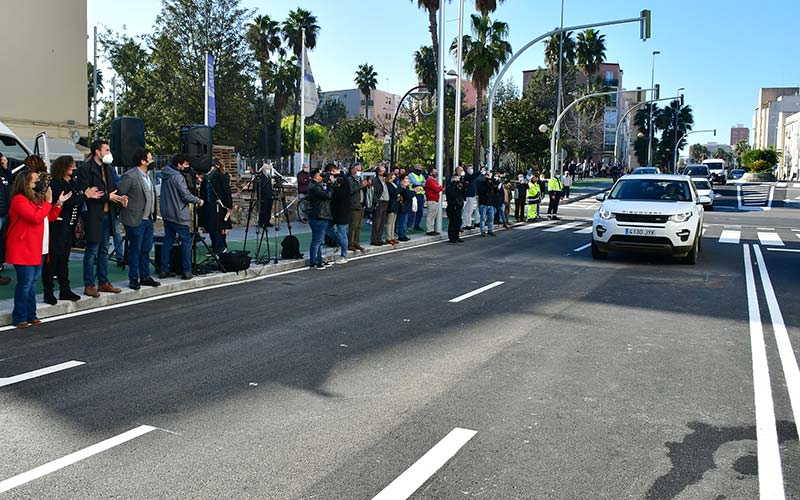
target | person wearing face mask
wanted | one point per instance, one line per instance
(99, 218)
(358, 195)
(138, 217)
(520, 191)
(432, 192)
(175, 199)
(303, 181)
(454, 192)
(266, 195)
(471, 197)
(381, 197)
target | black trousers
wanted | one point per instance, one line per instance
(519, 209)
(56, 267)
(552, 209)
(265, 212)
(453, 222)
(379, 220)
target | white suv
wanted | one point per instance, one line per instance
(650, 213)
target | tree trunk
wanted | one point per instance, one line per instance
(278, 132)
(476, 148)
(432, 26)
(266, 120)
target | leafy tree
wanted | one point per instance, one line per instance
(723, 154)
(760, 166)
(484, 52)
(507, 91)
(315, 135)
(666, 120)
(768, 155)
(281, 78)
(342, 138)
(90, 78)
(740, 149)
(590, 51)
(366, 80)
(264, 37)
(485, 7)
(370, 149)
(432, 7)
(698, 153)
(642, 121)
(518, 124)
(553, 47)
(330, 112)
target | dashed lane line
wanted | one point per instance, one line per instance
(39, 373)
(473, 293)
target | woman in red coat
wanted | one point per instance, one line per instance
(25, 241)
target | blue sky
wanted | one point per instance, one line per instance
(721, 51)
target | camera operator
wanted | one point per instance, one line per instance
(358, 200)
(340, 208)
(215, 217)
(488, 193)
(319, 197)
(456, 193)
(266, 195)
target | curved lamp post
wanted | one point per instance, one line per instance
(420, 91)
(675, 168)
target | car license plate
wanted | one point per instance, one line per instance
(640, 232)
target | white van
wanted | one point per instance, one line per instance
(17, 150)
(717, 169)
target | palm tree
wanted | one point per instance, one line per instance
(590, 51)
(282, 81)
(483, 56)
(554, 45)
(740, 149)
(425, 66)
(264, 37)
(90, 79)
(432, 6)
(485, 7)
(366, 80)
(674, 120)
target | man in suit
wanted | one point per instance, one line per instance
(99, 218)
(138, 217)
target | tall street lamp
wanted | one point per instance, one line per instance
(457, 74)
(675, 168)
(650, 122)
(419, 92)
(675, 125)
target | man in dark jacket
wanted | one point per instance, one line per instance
(381, 206)
(265, 195)
(455, 192)
(303, 180)
(520, 191)
(175, 200)
(358, 188)
(487, 200)
(215, 216)
(319, 197)
(340, 208)
(99, 218)
(470, 181)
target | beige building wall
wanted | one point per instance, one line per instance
(44, 86)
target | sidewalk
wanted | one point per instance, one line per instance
(175, 285)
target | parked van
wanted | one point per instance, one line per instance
(718, 170)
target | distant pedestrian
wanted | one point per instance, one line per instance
(417, 181)
(520, 191)
(358, 200)
(392, 209)
(555, 188)
(340, 208)
(534, 198)
(455, 192)
(432, 195)
(406, 198)
(381, 197)
(303, 180)
(488, 198)
(567, 180)
(175, 200)
(470, 179)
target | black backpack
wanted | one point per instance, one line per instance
(290, 248)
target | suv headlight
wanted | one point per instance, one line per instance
(605, 214)
(681, 217)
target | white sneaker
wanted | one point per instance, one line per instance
(341, 260)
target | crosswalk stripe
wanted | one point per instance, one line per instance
(729, 236)
(538, 224)
(770, 239)
(796, 185)
(781, 184)
(563, 227)
(588, 230)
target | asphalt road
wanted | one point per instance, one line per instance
(636, 377)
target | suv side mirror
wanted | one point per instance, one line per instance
(601, 197)
(703, 200)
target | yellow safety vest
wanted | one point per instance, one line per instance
(534, 192)
(554, 184)
(420, 180)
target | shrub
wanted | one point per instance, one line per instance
(769, 156)
(761, 167)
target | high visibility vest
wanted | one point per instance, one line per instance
(418, 183)
(534, 192)
(554, 185)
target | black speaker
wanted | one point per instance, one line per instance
(196, 143)
(127, 135)
(174, 256)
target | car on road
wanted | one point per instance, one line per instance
(717, 169)
(650, 213)
(705, 188)
(698, 172)
(645, 170)
(737, 173)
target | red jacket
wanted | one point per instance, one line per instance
(432, 189)
(25, 237)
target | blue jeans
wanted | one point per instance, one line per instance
(95, 257)
(171, 230)
(402, 224)
(420, 208)
(341, 234)
(25, 293)
(140, 242)
(502, 214)
(487, 216)
(119, 247)
(318, 228)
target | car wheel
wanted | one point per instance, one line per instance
(691, 257)
(598, 254)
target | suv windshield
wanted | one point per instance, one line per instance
(696, 171)
(651, 190)
(700, 184)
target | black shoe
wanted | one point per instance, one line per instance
(166, 275)
(186, 276)
(134, 285)
(68, 294)
(417, 228)
(149, 281)
(404, 238)
(483, 235)
(376, 243)
(555, 217)
(492, 234)
(121, 263)
(460, 240)
(50, 298)
(452, 241)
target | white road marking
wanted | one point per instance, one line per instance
(415, 476)
(791, 371)
(538, 224)
(765, 228)
(476, 292)
(781, 185)
(770, 239)
(563, 227)
(73, 458)
(796, 185)
(783, 250)
(729, 236)
(770, 473)
(39, 373)
(586, 230)
(584, 247)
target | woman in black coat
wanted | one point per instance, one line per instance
(61, 230)
(406, 198)
(215, 214)
(340, 210)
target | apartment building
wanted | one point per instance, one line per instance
(771, 103)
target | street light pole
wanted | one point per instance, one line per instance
(394, 120)
(675, 169)
(650, 122)
(440, 110)
(557, 131)
(643, 20)
(459, 63)
(675, 127)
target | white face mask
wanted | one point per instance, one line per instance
(108, 159)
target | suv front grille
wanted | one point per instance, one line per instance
(658, 219)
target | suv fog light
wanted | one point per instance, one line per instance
(684, 235)
(601, 231)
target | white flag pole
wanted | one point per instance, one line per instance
(303, 103)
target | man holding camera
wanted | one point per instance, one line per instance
(358, 195)
(456, 193)
(175, 200)
(487, 202)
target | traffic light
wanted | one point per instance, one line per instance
(638, 94)
(657, 92)
(645, 24)
(681, 100)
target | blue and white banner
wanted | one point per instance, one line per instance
(310, 95)
(211, 102)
